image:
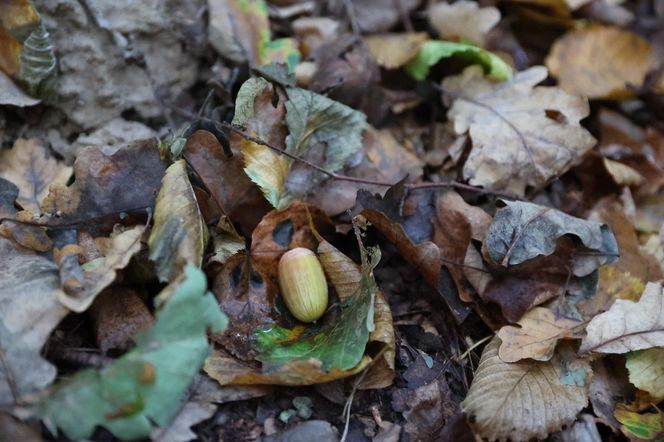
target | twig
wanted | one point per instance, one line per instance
(336, 176)
(349, 403)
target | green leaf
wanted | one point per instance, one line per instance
(646, 426)
(433, 51)
(281, 50)
(338, 343)
(146, 385)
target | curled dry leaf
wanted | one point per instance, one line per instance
(537, 335)
(522, 135)
(179, 234)
(31, 237)
(462, 19)
(628, 326)
(646, 371)
(31, 167)
(30, 311)
(521, 231)
(100, 272)
(523, 400)
(601, 62)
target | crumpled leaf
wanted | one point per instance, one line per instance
(522, 135)
(521, 231)
(179, 234)
(645, 426)
(646, 371)
(537, 335)
(99, 273)
(433, 51)
(601, 62)
(31, 167)
(30, 311)
(523, 400)
(628, 326)
(462, 19)
(27, 236)
(337, 344)
(145, 385)
(109, 181)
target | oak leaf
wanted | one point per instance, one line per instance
(628, 326)
(601, 62)
(392, 51)
(537, 336)
(463, 19)
(522, 135)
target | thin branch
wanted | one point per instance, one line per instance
(336, 176)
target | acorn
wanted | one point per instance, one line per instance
(303, 285)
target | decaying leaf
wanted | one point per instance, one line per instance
(267, 169)
(462, 19)
(628, 326)
(601, 62)
(537, 335)
(522, 135)
(30, 311)
(143, 387)
(109, 181)
(179, 234)
(646, 371)
(99, 273)
(521, 231)
(523, 400)
(32, 169)
(433, 51)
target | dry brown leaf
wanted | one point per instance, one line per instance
(463, 19)
(522, 135)
(601, 62)
(392, 51)
(628, 326)
(32, 169)
(523, 400)
(179, 235)
(537, 336)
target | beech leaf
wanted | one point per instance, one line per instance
(646, 371)
(523, 400)
(628, 326)
(522, 135)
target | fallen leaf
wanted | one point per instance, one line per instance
(523, 400)
(392, 51)
(267, 169)
(380, 15)
(646, 426)
(31, 237)
(17, 19)
(433, 51)
(463, 19)
(517, 140)
(601, 62)
(100, 273)
(143, 387)
(429, 407)
(179, 234)
(537, 335)
(30, 311)
(646, 371)
(609, 387)
(33, 169)
(521, 231)
(109, 181)
(628, 326)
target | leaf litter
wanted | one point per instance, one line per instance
(490, 228)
